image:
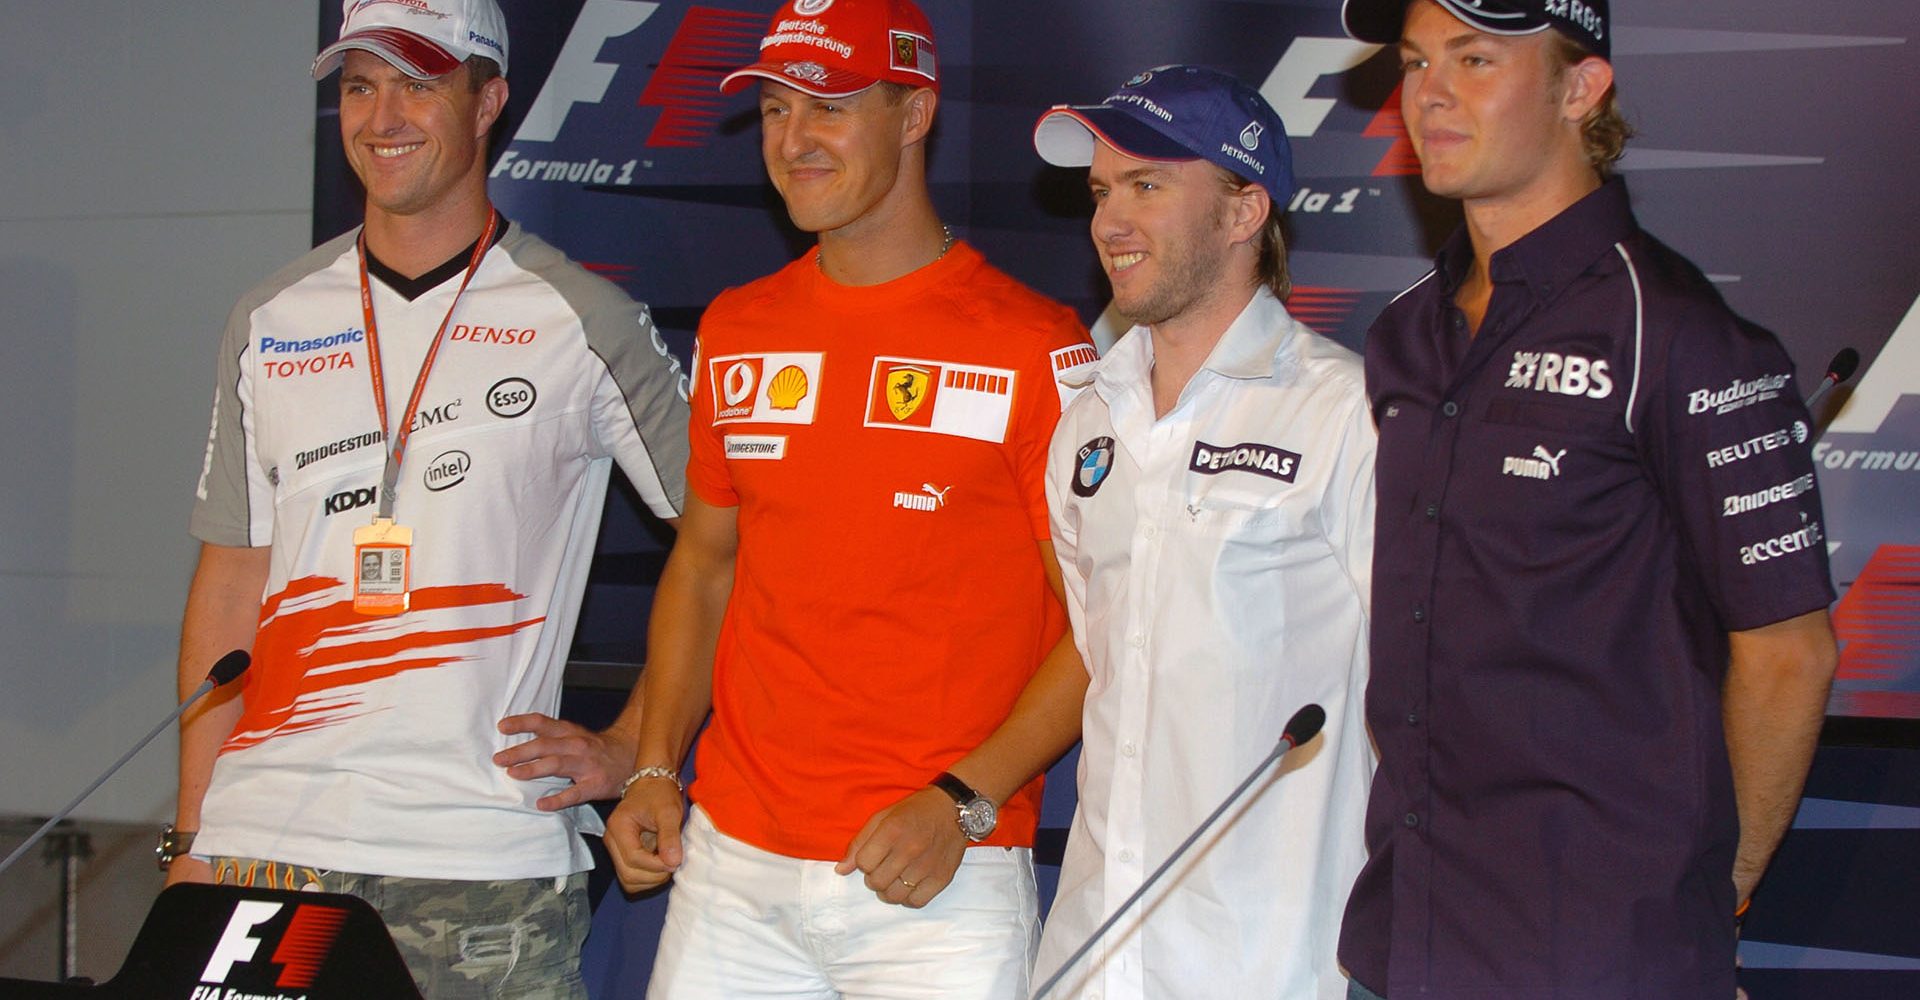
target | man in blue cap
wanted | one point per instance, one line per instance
(1211, 492)
(1600, 645)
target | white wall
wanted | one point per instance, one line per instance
(155, 161)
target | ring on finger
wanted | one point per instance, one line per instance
(910, 884)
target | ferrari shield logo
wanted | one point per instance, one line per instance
(906, 389)
(904, 51)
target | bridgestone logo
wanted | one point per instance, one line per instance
(1785, 545)
(752, 446)
(1737, 394)
(1730, 506)
(358, 441)
(1259, 459)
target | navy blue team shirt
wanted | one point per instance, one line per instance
(1575, 506)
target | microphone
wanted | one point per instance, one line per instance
(1840, 369)
(224, 671)
(1304, 725)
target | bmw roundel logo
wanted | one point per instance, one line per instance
(1091, 464)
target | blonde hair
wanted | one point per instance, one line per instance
(1604, 131)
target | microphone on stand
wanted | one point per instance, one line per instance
(224, 671)
(1304, 725)
(1840, 369)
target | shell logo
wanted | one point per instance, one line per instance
(788, 388)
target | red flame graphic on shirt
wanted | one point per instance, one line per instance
(304, 678)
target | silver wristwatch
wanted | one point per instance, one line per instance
(977, 813)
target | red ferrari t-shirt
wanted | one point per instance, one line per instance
(885, 446)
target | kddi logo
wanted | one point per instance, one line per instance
(304, 944)
(350, 499)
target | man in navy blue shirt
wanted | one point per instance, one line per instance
(1600, 640)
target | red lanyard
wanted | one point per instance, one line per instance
(397, 440)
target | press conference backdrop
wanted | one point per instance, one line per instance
(1774, 149)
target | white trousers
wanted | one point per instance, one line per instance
(746, 923)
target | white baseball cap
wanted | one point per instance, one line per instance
(421, 38)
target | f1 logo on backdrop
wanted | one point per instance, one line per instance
(579, 77)
(302, 945)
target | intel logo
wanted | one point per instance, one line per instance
(447, 470)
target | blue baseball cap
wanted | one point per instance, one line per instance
(1175, 113)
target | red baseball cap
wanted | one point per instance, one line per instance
(834, 48)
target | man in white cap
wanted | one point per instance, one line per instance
(1212, 504)
(861, 587)
(412, 433)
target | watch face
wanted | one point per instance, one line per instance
(978, 818)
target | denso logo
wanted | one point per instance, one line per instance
(1566, 374)
(447, 470)
(492, 335)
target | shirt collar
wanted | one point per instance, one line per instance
(1254, 346)
(1547, 259)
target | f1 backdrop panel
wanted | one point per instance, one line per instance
(1764, 153)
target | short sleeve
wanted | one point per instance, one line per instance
(640, 405)
(707, 473)
(233, 498)
(1040, 404)
(1729, 441)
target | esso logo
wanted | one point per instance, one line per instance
(511, 397)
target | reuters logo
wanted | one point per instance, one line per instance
(788, 388)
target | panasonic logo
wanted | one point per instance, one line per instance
(273, 345)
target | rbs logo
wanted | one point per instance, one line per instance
(1566, 374)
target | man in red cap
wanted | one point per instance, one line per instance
(413, 429)
(863, 590)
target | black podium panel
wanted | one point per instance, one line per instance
(207, 942)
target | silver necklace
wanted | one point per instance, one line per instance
(946, 244)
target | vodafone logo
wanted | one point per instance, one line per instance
(738, 382)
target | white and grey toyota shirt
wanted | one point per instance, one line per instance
(365, 744)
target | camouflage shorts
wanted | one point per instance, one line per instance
(512, 940)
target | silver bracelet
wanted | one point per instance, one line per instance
(652, 772)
